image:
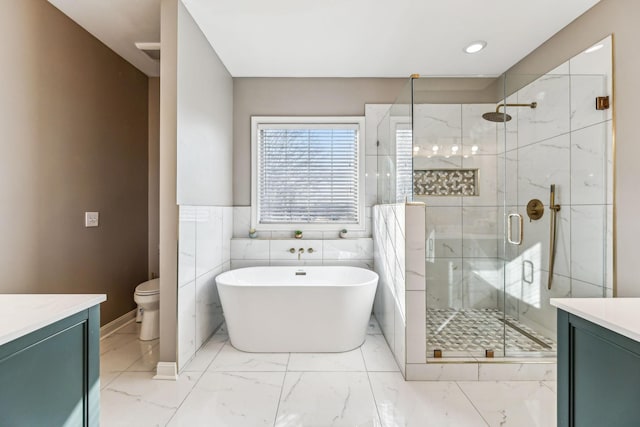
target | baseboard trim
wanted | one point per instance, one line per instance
(166, 371)
(118, 323)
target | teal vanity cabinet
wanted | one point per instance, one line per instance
(598, 369)
(51, 376)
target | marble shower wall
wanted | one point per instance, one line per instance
(399, 305)
(462, 263)
(567, 142)
(204, 251)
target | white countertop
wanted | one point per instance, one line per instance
(621, 315)
(21, 314)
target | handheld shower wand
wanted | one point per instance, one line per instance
(553, 208)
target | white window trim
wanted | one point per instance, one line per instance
(354, 120)
(395, 124)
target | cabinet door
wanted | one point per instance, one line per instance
(598, 375)
(43, 384)
(606, 382)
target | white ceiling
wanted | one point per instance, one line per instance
(340, 38)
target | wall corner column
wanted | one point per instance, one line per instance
(168, 202)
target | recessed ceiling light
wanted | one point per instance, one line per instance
(594, 48)
(476, 46)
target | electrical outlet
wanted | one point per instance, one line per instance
(91, 219)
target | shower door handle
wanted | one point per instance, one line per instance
(526, 263)
(520, 229)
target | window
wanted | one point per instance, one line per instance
(307, 172)
(404, 162)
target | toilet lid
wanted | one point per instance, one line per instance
(149, 287)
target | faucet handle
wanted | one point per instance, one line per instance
(292, 250)
(310, 250)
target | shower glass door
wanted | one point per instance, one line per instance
(532, 159)
(555, 178)
(517, 176)
(455, 166)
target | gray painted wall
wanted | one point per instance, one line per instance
(296, 97)
(73, 137)
(205, 119)
(620, 18)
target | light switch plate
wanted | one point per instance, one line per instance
(91, 219)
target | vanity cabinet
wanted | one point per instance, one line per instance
(598, 374)
(50, 376)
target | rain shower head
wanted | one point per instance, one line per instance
(498, 117)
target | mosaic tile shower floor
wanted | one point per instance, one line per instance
(469, 332)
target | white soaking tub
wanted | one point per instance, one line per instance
(293, 309)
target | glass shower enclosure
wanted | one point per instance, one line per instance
(516, 173)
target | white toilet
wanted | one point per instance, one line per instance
(147, 296)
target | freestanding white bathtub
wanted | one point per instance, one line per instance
(293, 309)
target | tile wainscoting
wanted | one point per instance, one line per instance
(399, 261)
(204, 251)
(356, 252)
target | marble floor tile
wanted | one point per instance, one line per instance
(130, 328)
(222, 386)
(148, 361)
(232, 399)
(135, 399)
(553, 385)
(346, 361)
(373, 328)
(422, 403)
(107, 377)
(377, 355)
(222, 330)
(326, 399)
(206, 353)
(231, 360)
(513, 403)
(120, 358)
(115, 341)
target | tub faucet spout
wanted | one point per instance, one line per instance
(300, 252)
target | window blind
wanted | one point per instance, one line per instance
(404, 163)
(308, 174)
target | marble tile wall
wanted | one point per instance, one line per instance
(356, 252)
(389, 304)
(204, 251)
(567, 142)
(400, 299)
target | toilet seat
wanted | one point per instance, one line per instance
(150, 287)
